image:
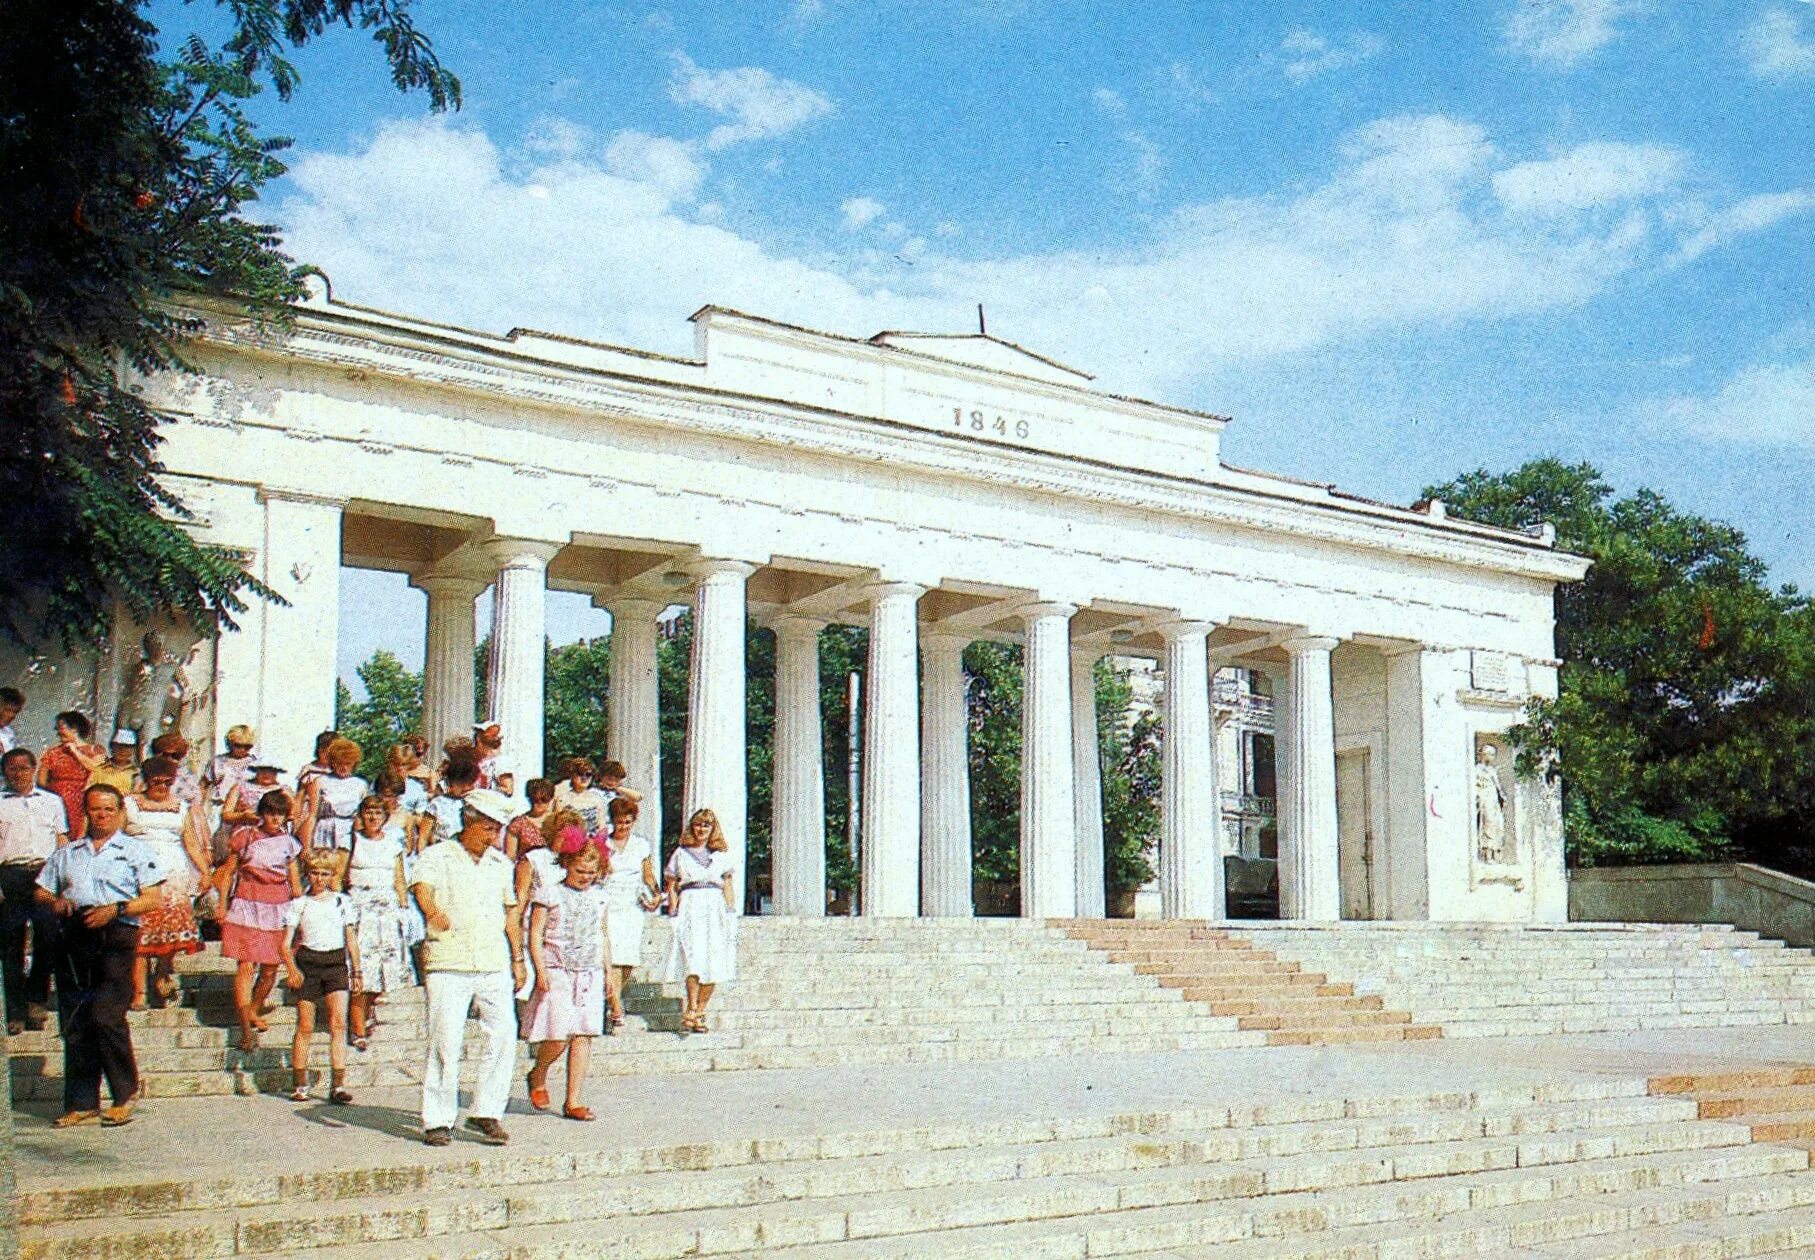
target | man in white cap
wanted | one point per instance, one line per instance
(122, 768)
(473, 958)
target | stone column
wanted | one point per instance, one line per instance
(1087, 773)
(1191, 830)
(298, 659)
(891, 756)
(514, 681)
(716, 742)
(1049, 824)
(447, 669)
(799, 829)
(945, 803)
(1309, 886)
(633, 734)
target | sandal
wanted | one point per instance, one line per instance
(70, 1119)
(578, 1113)
(361, 1044)
(538, 1094)
(300, 1094)
(340, 1098)
(166, 987)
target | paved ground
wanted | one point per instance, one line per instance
(242, 1136)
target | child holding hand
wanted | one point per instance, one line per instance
(321, 962)
(570, 948)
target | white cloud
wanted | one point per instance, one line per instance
(760, 104)
(860, 212)
(1305, 54)
(1779, 45)
(672, 167)
(1754, 214)
(1597, 174)
(804, 13)
(1768, 404)
(1563, 32)
(1109, 101)
(1406, 231)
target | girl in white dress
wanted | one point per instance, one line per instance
(630, 892)
(375, 882)
(572, 952)
(703, 952)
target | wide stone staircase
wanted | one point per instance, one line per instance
(1490, 980)
(1585, 1168)
(1231, 976)
(811, 993)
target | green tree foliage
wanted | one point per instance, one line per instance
(392, 709)
(1686, 719)
(123, 184)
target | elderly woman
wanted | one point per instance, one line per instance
(177, 833)
(331, 802)
(65, 767)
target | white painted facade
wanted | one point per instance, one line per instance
(936, 489)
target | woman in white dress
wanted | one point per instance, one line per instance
(331, 802)
(630, 892)
(175, 830)
(375, 882)
(703, 953)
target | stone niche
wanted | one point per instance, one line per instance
(145, 679)
(1497, 812)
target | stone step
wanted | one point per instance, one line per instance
(1276, 1128)
(904, 1194)
(1425, 1220)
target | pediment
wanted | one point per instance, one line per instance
(984, 351)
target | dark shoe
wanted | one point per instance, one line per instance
(489, 1130)
(14, 1027)
(437, 1137)
(340, 1098)
(36, 1017)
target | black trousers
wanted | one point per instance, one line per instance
(94, 990)
(18, 908)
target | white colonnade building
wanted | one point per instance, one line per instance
(936, 489)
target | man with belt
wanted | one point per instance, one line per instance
(473, 958)
(99, 886)
(32, 826)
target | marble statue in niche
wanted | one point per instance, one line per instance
(1490, 807)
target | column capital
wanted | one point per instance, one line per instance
(879, 591)
(709, 569)
(630, 607)
(797, 625)
(453, 584)
(1046, 608)
(1400, 649)
(1184, 628)
(522, 553)
(1306, 644)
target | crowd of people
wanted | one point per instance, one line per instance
(522, 910)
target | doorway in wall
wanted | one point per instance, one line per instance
(1355, 832)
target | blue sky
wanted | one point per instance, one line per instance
(1393, 241)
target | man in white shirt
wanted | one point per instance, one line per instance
(12, 700)
(473, 959)
(32, 825)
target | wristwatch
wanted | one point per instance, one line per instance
(119, 909)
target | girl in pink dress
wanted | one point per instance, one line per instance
(260, 877)
(571, 949)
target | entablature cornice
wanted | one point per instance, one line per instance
(797, 426)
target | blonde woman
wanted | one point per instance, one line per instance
(703, 952)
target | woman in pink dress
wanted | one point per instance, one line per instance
(260, 877)
(64, 768)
